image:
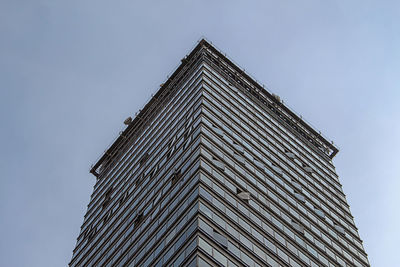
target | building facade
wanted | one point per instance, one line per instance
(217, 171)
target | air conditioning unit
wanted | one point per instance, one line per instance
(276, 97)
(128, 121)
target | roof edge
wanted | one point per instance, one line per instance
(316, 133)
(204, 43)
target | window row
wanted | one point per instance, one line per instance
(132, 209)
(260, 164)
(130, 238)
(288, 184)
(279, 158)
(240, 246)
(260, 134)
(150, 170)
(154, 134)
(146, 189)
(271, 122)
(168, 107)
(257, 201)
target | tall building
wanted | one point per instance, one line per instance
(217, 171)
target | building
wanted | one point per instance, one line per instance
(217, 171)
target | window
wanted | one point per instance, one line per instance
(289, 154)
(246, 242)
(218, 131)
(244, 195)
(202, 263)
(187, 134)
(308, 169)
(304, 258)
(170, 151)
(222, 240)
(220, 165)
(320, 213)
(204, 245)
(90, 233)
(300, 197)
(123, 197)
(340, 229)
(298, 227)
(107, 197)
(172, 141)
(176, 176)
(239, 158)
(238, 147)
(296, 185)
(283, 255)
(107, 216)
(151, 173)
(143, 159)
(259, 164)
(138, 219)
(186, 143)
(220, 257)
(277, 169)
(190, 119)
(139, 179)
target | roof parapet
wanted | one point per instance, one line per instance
(274, 103)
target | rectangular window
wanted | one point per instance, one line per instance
(290, 154)
(238, 147)
(107, 197)
(340, 229)
(205, 246)
(259, 164)
(218, 131)
(296, 185)
(176, 176)
(300, 197)
(222, 240)
(244, 195)
(239, 158)
(123, 197)
(143, 160)
(277, 169)
(138, 220)
(320, 213)
(90, 234)
(220, 165)
(107, 216)
(308, 169)
(298, 227)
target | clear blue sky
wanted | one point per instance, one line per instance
(72, 71)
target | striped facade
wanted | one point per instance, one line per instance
(216, 171)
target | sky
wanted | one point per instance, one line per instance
(72, 71)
